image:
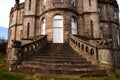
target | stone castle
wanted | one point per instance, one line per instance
(90, 27)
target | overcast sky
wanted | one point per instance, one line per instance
(5, 6)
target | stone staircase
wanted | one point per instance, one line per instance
(59, 60)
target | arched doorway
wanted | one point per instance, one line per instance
(73, 26)
(58, 29)
(43, 27)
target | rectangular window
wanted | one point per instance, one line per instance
(11, 19)
(21, 34)
(73, 2)
(89, 2)
(10, 32)
(115, 15)
(28, 30)
(57, 1)
(29, 4)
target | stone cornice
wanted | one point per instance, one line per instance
(15, 25)
(111, 2)
(60, 9)
(18, 7)
(105, 21)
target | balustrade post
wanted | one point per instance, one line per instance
(14, 61)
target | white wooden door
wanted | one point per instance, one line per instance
(58, 29)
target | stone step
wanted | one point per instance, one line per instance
(55, 54)
(58, 71)
(64, 66)
(57, 62)
(57, 57)
(80, 72)
(50, 67)
(74, 66)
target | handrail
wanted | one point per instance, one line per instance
(84, 48)
(21, 52)
(31, 48)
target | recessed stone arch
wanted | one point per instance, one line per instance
(92, 52)
(58, 29)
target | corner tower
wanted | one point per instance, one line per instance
(29, 20)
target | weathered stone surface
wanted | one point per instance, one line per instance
(96, 19)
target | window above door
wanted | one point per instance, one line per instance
(58, 1)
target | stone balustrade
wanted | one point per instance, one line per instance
(84, 48)
(21, 52)
(33, 47)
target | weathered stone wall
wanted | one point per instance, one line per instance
(91, 18)
(109, 26)
(109, 21)
(117, 58)
(15, 24)
(48, 12)
(95, 19)
(105, 56)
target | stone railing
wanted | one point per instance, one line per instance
(84, 48)
(21, 52)
(33, 47)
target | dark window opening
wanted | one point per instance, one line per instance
(91, 24)
(73, 2)
(21, 34)
(89, 2)
(57, 1)
(29, 4)
(28, 29)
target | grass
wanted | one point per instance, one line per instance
(6, 75)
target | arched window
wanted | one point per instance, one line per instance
(58, 1)
(58, 29)
(44, 4)
(73, 2)
(29, 4)
(73, 26)
(28, 30)
(43, 26)
(115, 15)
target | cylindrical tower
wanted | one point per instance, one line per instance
(15, 24)
(110, 30)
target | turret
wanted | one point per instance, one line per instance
(17, 1)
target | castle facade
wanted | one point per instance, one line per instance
(94, 19)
